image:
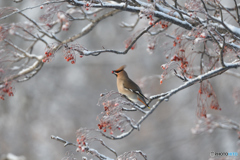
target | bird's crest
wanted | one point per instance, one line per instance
(120, 68)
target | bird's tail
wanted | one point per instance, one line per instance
(143, 102)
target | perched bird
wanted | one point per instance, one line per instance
(127, 87)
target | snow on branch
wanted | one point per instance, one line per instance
(122, 6)
(201, 45)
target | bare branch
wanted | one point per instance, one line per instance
(129, 8)
(66, 143)
(237, 11)
(204, 5)
(125, 25)
(86, 148)
(221, 53)
(20, 11)
(97, 52)
(89, 27)
(39, 58)
(110, 149)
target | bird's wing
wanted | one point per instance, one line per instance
(137, 91)
(134, 88)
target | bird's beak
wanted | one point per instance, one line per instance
(113, 72)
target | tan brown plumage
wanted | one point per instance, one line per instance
(127, 87)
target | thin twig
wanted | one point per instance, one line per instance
(20, 11)
(66, 143)
(221, 53)
(237, 11)
(97, 52)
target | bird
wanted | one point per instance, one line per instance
(127, 87)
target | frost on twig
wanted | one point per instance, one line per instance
(138, 155)
(213, 122)
(200, 36)
(84, 139)
(114, 118)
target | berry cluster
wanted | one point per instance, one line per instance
(87, 6)
(206, 94)
(64, 21)
(6, 89)
(163, 24)
(71, 58)
(81, 140)
(105, 125)
(48, 57)
(151, 19)
(151, 47)
(128, 42)
(113, 118)
(71, 51)
(149, 15)
(183, 60)
(202, 112)
(214, 105)
(69, 54)
(178, 40)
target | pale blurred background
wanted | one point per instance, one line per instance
(63, 97)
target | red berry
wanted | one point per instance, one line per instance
(174, 44)
(161, 81)
(163, 66)
(1, 97)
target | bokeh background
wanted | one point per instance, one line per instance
(63, 97)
